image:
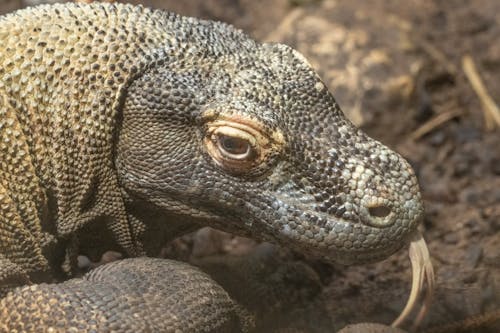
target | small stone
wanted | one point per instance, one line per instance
(495, 165)
(437, 138)
(474, 255)
(471, 196)
(451, 238)
(471, 223)
(467, 134)
(470, 277)
(474, 226)
(207, 242)
(110, 256)
(83, 262)
(461, 169)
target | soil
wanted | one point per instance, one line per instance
(394, 67)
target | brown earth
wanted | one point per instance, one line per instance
(395, 67)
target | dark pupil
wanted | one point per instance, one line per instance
(234, 146)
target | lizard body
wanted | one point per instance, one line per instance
(122, 127)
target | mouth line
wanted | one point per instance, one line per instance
(341, 249)
(348, 241)
(345, 241)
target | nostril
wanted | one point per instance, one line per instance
(379, 211)
(378, 215)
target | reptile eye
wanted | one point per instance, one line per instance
(240, 146)
(234, 144)
(234, 147)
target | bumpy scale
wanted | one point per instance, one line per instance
(122, 127)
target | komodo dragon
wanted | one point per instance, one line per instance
(123, 127)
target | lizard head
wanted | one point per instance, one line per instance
(253, 142)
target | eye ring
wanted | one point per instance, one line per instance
(233, 147)
(234, 144)
(239, 145)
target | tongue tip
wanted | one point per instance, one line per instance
(422, 273)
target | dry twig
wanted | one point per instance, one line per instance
(490, 109)
(433, 123)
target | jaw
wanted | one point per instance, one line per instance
(346, 244)
(181, 215)
(336, 241)
(287, 223)
(293, 221)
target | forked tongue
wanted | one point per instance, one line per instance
(422, 272)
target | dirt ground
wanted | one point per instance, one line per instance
(397, 70)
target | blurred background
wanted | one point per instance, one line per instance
(423, 77)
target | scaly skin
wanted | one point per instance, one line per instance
(122, 127)
(120, 293)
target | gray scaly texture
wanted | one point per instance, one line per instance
(123, 127)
